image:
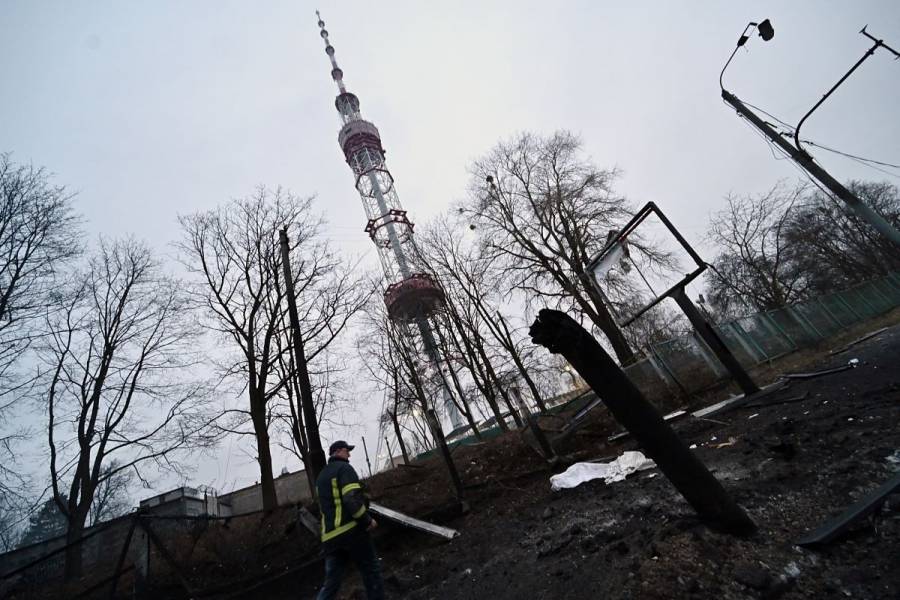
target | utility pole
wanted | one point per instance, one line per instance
(796, 152)
(803, 158)
(315, 453)
(390, 454)
(368, 462)
(715, 343)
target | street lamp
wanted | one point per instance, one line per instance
(766, 32)
(796, 151)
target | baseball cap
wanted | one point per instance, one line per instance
(338, 445)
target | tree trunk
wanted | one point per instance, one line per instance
(74, 531)
(604, 320)
(472, 364)
(466, 409)
(314, 449)
(492, 377)
(517, 359)
(266, 480)
(399, 435)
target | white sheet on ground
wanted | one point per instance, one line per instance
(610, 472)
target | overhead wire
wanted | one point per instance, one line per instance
(784, 155)
(789, 129)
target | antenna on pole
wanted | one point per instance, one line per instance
(336, 73)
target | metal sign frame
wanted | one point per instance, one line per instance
(649, 209)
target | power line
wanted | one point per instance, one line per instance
(784, 155)
(770, 115)
(790, 129)
(867, 162)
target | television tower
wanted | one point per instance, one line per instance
(411, 297)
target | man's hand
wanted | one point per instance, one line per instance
(372, 525)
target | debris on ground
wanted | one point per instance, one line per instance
(868, 336)
(611, 472)
(791, 467)
(851, 364)
(399, 517)
(866, 505)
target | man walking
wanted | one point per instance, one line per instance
(345, 525)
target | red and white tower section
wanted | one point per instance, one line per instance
(411, 296)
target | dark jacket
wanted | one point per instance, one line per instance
(344, 511)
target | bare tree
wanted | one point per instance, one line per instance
(657, 325)
(119, 387)
(833, 247)
(381, 356)
(111, 498)
(10, 520)
(544, 213)
(754, 260)
(39, 233)
(791, 242)
(328, 296)
(473, 275)
(465, 339)
(235, 254)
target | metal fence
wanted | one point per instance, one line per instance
(685, 364)
(144, 555)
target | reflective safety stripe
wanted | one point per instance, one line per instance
(337, 494)
(338, 531)
(338, 504)
(350, 487)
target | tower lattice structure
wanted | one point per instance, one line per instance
(412, 296)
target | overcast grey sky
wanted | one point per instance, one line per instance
(150, 109)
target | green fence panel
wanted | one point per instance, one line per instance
(793, 327)
(893, 281)
(858, 303)
(881, 301)
(687, 362)
(816, 315)
(765, 336)
(651, 383)
(839, 310)
(742, 349)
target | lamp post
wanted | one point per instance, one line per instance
(796, 152)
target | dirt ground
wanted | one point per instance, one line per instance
(792, 465)
(809, 450)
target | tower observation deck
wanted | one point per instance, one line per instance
(411, 296)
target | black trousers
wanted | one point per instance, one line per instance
(360, 551)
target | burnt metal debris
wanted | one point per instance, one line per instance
(858, 340)
(406, 520)
(838, 526)
(561, 334)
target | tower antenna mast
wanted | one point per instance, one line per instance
(412, 297)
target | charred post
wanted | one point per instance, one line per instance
(561, 334)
